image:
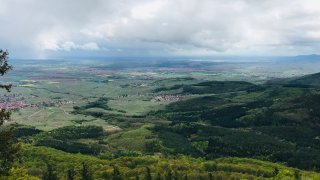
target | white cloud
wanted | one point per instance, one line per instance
(90, 46)
(69, 45)
(182, 27)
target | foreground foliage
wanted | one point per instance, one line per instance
(8, 146)
(37, 159)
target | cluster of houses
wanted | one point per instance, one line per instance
(15, 101)
(12, 105)
(165, 97)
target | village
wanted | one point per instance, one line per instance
(15, 102)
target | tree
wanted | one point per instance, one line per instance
(169, 175)
(8, 143)
(148, 174)
(297, 175)
(50, 175)
(176, 175)
(71, 174)
(185, 177)
(158, 176)
(116, 173)
(86, 175)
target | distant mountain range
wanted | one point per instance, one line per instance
(303, 58)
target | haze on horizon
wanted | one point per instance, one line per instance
(105, 28)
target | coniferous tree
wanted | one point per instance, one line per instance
(169, 175)
(71, 174)
(185, 177)
(275, 171)
(49, 174)
(148, 174)
(176, 175)
(8, 143)
(106, 176)
(158, 176)
(297, 175)
(116, 174)
(86, 175)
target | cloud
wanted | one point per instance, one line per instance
(160, 27)
(68, 46)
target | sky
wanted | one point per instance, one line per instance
(142, 28)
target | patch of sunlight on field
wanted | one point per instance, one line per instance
(26, 85)
(133, 139)
(53, 82)
(136, 107)
(51, 118)
(173, 75)
(28, 80)
(103, 75)
(106, 127)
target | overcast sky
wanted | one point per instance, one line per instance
(98, 28)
